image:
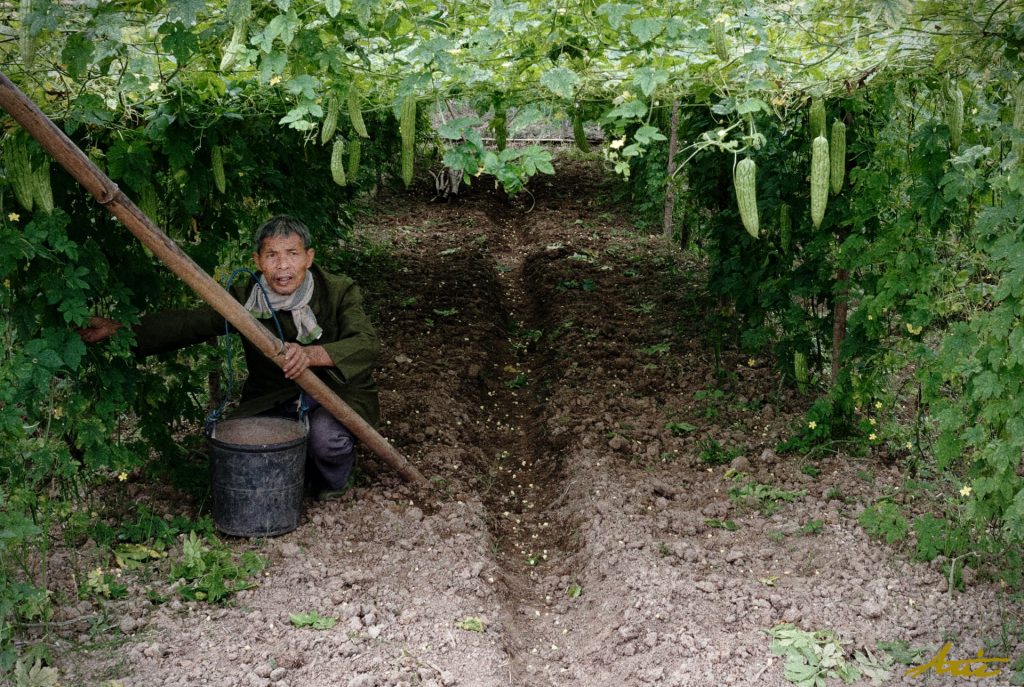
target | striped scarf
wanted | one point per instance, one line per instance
(297, 304)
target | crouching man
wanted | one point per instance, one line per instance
(324, 326)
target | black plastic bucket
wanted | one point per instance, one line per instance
(258, 473)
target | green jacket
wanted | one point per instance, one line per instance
(348, 337)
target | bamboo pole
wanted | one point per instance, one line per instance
(106, 192)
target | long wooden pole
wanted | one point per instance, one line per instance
(71, 158)
(670, 181)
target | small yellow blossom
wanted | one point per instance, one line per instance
(872, 437)
(154, 86)
(870, 317)
(617, 143)
(812, 425)
(966, 491)
(274, 80)
(7, 283)
(13, 216)
(910, 445)
(871, 421)
(751, 362)
(122, 476)
(878, 405)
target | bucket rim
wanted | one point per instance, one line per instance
(278, 446)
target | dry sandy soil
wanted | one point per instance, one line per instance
(537, 354)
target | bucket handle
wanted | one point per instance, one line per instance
(210, 425)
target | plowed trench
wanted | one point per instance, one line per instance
(519, 470)
(467, 282)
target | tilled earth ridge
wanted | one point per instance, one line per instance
(536, 354)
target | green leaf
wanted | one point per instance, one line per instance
(631, 109)
(303, 85)
(901, 652)
(645, 29)
(185, 11)
(471, 624)
(751, 105)
(272, 65)
(77, 54)
(615, 13)
(284, 26)
(560, 81)
(332, 7)
(312, 619)
(363, 9)
(89, 108)
(179, 41)
(648, 79)
(458, 128)
(646, 134)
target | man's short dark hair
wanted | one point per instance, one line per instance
(282, 225)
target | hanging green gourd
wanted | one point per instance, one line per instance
(837, 156)
(745, 181)
(819, 179)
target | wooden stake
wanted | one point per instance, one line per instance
(71, 158)
(670, 189)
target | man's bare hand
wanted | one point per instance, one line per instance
(298, 358)
(99, 328)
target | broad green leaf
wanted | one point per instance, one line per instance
(88, 108)
(303, 85)
(615, 13)
(332, 7)
(312, 619)
(631, 109)
(77, 54)
(363, 9)
(751, 105)
(457, 128)
(185, 11)
(646, 134)
(648, 79)
(179, 41)
(560, 81)
(272, 65)
(645, 29)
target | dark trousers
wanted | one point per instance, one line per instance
(330, 449)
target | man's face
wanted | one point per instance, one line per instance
(284, 262)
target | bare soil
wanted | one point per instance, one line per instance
(544, 366)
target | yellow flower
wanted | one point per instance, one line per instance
(812, 425)
(872, 437)
(7, 283)
(13, 216)
(751, 362)
(871, 421)
(878, 405)
(870, 317)
(910, 445)
(154, 86)
(617, 143)
(274, 80)
(966, 491)
(122, 476)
